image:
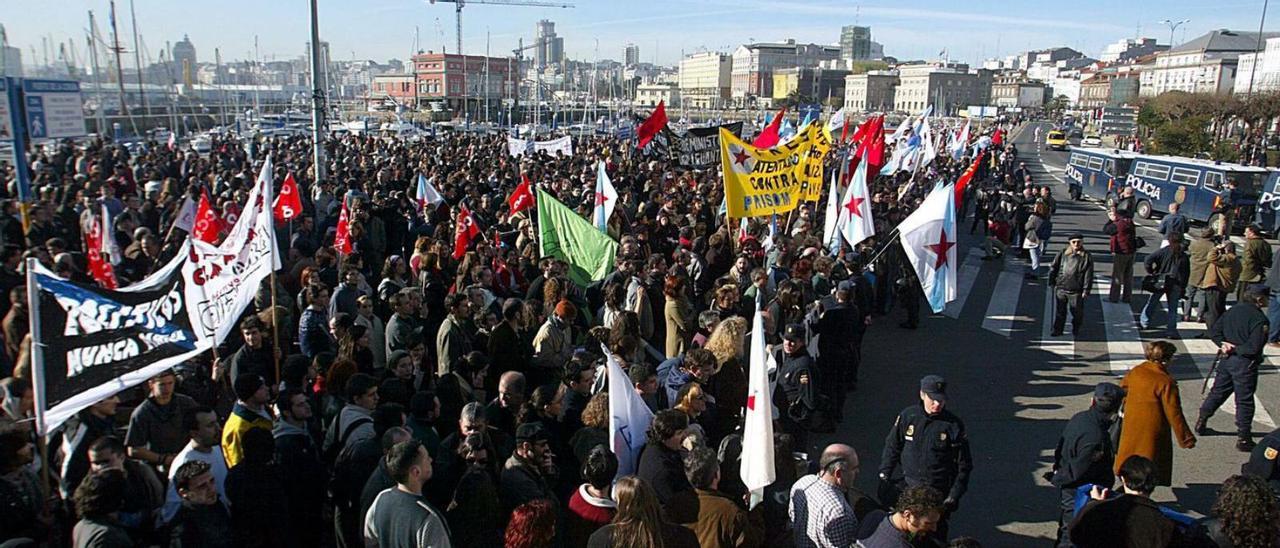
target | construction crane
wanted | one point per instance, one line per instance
(528, 3)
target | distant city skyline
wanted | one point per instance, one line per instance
(663, 30)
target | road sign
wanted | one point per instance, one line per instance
(6, 125)
(54, 109)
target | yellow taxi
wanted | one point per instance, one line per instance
(1056, 140)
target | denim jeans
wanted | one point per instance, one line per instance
(1171, 315)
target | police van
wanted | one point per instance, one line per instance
(1199, 185)
(1097, 172)
(1268, 214)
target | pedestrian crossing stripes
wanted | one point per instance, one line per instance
(1002, 310)
(1119, 345)
(964, 281)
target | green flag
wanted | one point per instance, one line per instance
(565, 235)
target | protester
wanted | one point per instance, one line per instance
(639, 520)
(1153, 414)
(98, 501)
(1130, 520)
(1245, 514)
(820, 513)
(399, 516)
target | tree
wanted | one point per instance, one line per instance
(1056, 106)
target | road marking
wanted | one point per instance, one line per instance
(1060, 345)
(1002, 310)
(1124, 342)
(1202, 352)
(964, 282)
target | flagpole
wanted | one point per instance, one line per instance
(37, 372)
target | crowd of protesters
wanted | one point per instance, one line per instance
(405, 395)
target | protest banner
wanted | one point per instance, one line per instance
(760, 182)
(520, 147)
(89, 343)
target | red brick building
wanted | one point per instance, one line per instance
(449, 78)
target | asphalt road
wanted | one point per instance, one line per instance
(1015, 386)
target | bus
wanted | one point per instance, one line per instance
(1268, 210)
(1094, 172)
(1199, 185)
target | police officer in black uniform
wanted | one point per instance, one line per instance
(1241, 335)
(795, 396)
(927, 446)
(839, 329)
(1264, 461)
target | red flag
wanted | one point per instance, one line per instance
(652, 125)
(342, 238)
(844, 133)
(99, 268)
(997, 137)
(967, 176)
(871, 147)
(288, 204)
(208, 224)
(522, 197)
(465, 231)
(769, 137)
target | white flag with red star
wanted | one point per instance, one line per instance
(606, 198)
(929, 238)
(855, 221)
(757, 434)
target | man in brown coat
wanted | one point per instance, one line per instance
(1198, 252)
(1219, 281)
(1254, 260)
(721, 523)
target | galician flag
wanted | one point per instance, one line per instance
(961, 142)
(427, 194)
(855, 209)
(606, 198)
(929, 238)
(629, 418)
(757, 434)
(829, 233)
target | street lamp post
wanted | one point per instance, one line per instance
(1257, 57)
(1173, 26)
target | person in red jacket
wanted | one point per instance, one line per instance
(1124, 244)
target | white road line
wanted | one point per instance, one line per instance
(1124, 342)
(1061, 345)
(1002, 310)
(964, 282)
(1203, 351)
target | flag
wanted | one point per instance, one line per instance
(870, 138)
(651, 126)
(928, 236)
(427, 194)
(288, 204)
(829, 233)
(186, 215)
(997, 137)
(967, 176)
(99, 268)
(926, 150)
(629, 417)
(788, 131)
(522, 197)
(173, 140)
(465, 230)
(757, 434)
(565, 235)
(208, 225)
(770, 136)
(855, 209)
(961, 142)
(109, 246)
(606, 199)
(342, 238)
(772, 237)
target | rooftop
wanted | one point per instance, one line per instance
(1224, 40)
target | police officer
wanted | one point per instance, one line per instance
(795, 395)
(1085, 453)
(1240, 334)
(1264, 461)
(927, 446)
(839, 329)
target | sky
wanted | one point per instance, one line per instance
(664, 30)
